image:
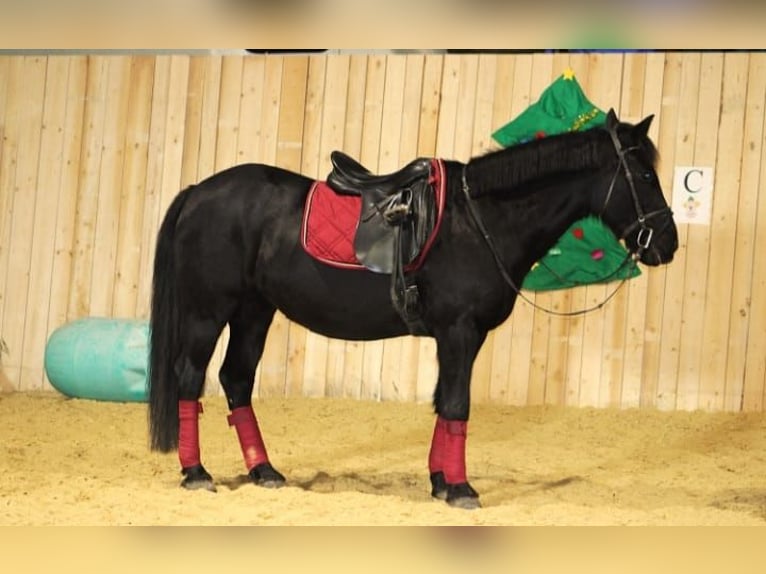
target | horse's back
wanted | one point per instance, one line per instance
(242, 198)
(225, 218)
(251, 184)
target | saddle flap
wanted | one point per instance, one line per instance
(410, 212)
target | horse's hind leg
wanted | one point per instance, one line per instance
(199, 338)
(248, 329)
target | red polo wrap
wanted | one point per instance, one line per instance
(250, 439)
(448, 450)
(188, 433)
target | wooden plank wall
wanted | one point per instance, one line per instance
(94, 147)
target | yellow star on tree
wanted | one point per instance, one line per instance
(569, 74)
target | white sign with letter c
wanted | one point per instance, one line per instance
(693, 195)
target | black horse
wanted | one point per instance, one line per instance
(229, 252)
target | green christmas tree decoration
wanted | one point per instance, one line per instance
(562, 107)
(588, 252)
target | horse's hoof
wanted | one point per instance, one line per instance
(462, 496)
(197, 478)
(464, 502)
(438, 486)
(199, 485)
(267, 476)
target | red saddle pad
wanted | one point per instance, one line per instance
(330, 220)
(329, 226)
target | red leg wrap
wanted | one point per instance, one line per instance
(250, 439)
(188, 433)
(436, 456)
(448, 450)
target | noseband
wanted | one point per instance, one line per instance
(645, 233)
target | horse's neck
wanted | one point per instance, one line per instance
(531, 194)
(527, 225)
(535, 164)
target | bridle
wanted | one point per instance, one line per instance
(645, 233)
(643, 240)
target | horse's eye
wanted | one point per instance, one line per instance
(647, 176)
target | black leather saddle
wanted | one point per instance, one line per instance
(399, 203)
(398, 214)
(352, 178)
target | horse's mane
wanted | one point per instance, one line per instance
(513, 167)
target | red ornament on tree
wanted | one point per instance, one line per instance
(597, 254)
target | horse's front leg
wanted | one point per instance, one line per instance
(457, 347)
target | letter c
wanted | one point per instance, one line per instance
(686, 180)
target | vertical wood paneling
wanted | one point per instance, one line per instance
(620, 322)
(64, 234)
(94, 148)
(542, 76)
(580, 64)
(685, 110)
(26, 109)
(152, 215)
(660, 287)
(42, 233)
(523, 313)
(698, 246)
(640, 99)
(754, 392)
(745, 252)
(9, 70)
(132, 187)
(89, 187)
(602, 71)
(107, 221)
(561, 301)
(718, 298)
(549, 372)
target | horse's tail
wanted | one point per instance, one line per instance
(164, 336)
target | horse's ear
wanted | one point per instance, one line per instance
(611, 119)
(642, 129)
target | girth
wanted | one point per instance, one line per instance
(398, 216)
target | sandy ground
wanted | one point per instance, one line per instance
(77, 462)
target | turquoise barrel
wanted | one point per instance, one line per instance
(100, 359)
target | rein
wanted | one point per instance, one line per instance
(643, 241)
